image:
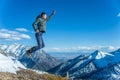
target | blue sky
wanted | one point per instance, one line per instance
(76, 23)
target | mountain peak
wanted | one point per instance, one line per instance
(97, 51)
(97, 54)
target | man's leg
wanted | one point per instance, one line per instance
(43, 45)
(40, 43)
(39, 40)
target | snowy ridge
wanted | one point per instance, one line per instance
(100, 54)
(14, 50)
(98, 65)
(105, 58)
(8, 64)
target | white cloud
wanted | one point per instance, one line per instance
(118, 15)
(82, 49)
(22, 29)
(12, 35)
(111, 48)
(53, 49)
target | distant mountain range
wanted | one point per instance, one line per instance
(96, 66)
(65, 54)
(40, 60)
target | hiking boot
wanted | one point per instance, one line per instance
(28, 53)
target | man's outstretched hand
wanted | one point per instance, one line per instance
(54, 11)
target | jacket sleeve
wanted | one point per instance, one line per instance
(49, 17)
(35, 23)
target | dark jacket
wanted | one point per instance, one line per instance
(40, 23)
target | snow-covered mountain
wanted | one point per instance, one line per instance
(14, 50)
(9, 64)
(40, 60)
(65, 54)
(96, 66)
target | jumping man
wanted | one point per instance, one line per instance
(40, 27)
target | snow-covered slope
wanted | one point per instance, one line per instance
(14, 50)
(40, 60)
(102, 59)
(98, 65)
(9, 64)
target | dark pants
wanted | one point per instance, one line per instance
(40, 42)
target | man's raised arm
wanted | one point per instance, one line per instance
(50, 16)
